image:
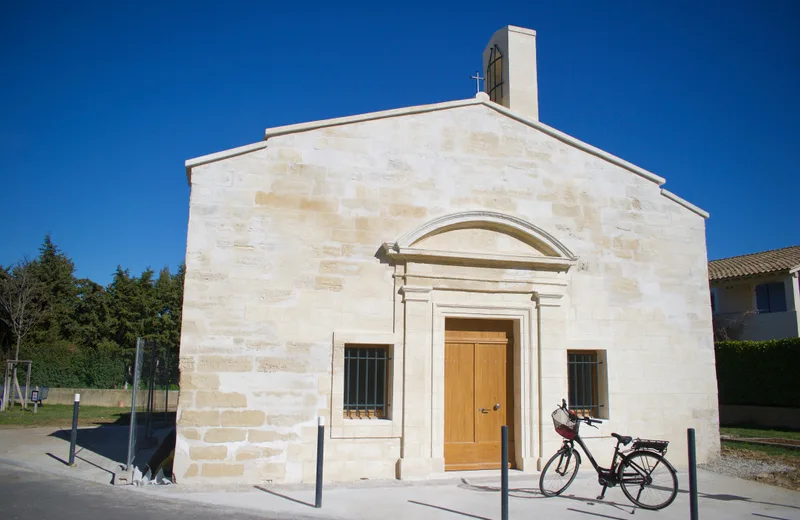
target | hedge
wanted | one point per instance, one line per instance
(760, 373)
(64, 366)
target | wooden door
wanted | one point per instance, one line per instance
(479, 392)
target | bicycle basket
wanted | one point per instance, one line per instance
(566, 423)
(647, 444)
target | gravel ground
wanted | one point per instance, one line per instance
(746, 468)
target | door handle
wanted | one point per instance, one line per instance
(486, 410)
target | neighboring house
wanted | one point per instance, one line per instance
(755, 296)
(422, 276)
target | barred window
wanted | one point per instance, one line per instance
(494, 75)
(584, 380)
(366, 369)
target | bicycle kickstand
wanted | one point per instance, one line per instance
(603, 493)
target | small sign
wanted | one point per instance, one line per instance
(34, 395)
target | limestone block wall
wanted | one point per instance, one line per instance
(283, 251)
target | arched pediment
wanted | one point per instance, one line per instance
(482, 238)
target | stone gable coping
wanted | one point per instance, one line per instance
(685, 203)
(480, 99)
(218, 156)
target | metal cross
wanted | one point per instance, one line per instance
(477, 77)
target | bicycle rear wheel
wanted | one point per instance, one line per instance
(648, 480)
(559, 472)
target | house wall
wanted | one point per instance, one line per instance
(737, 309)
(734, 298)
(771, 325)
(283, 255)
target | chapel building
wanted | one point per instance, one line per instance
(419, 277)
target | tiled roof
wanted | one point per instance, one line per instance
(755, 263)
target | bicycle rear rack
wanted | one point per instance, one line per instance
(652, 445)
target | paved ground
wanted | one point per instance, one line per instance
(29, 495)
(469, 496)
(721, 498)
(100, 450)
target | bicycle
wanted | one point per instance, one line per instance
(642, 472)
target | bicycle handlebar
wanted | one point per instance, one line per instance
(587, 420)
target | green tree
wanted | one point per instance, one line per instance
(124, 304)
(85, 334)
(169, 304)
(92, 321)
(55, 271)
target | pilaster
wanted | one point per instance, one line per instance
(553, 385)
(416, 460)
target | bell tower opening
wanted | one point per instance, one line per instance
(509, 65)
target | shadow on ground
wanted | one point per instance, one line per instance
(110, 440)
(286, 497)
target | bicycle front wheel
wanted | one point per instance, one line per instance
(648, 480)
(559, 472)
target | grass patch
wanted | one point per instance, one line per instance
(781, 457)
(757, 432)
(789, 478)
(738, 448)
(61, 415)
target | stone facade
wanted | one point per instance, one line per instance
(374, 229)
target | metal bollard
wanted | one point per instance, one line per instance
(693, 512)
(320, 453)
(74, 437)
(504, 473)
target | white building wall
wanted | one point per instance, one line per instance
(283, 252)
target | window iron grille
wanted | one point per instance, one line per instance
(582, 381)
(494, 75)
(366, 382)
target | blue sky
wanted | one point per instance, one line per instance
(101, 103)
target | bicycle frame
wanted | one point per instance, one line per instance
(608, 474)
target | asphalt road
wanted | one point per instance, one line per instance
(27, 495)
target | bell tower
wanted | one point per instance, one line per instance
(509, 66)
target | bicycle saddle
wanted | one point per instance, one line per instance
(624, 439)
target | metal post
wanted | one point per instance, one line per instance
(504, 473)
(74, 437)
(132, 429)
(693, 513)
(320, 449)
(36, 401)
(151, 389)
(6, 388)
(27, 387)
(166, 390)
